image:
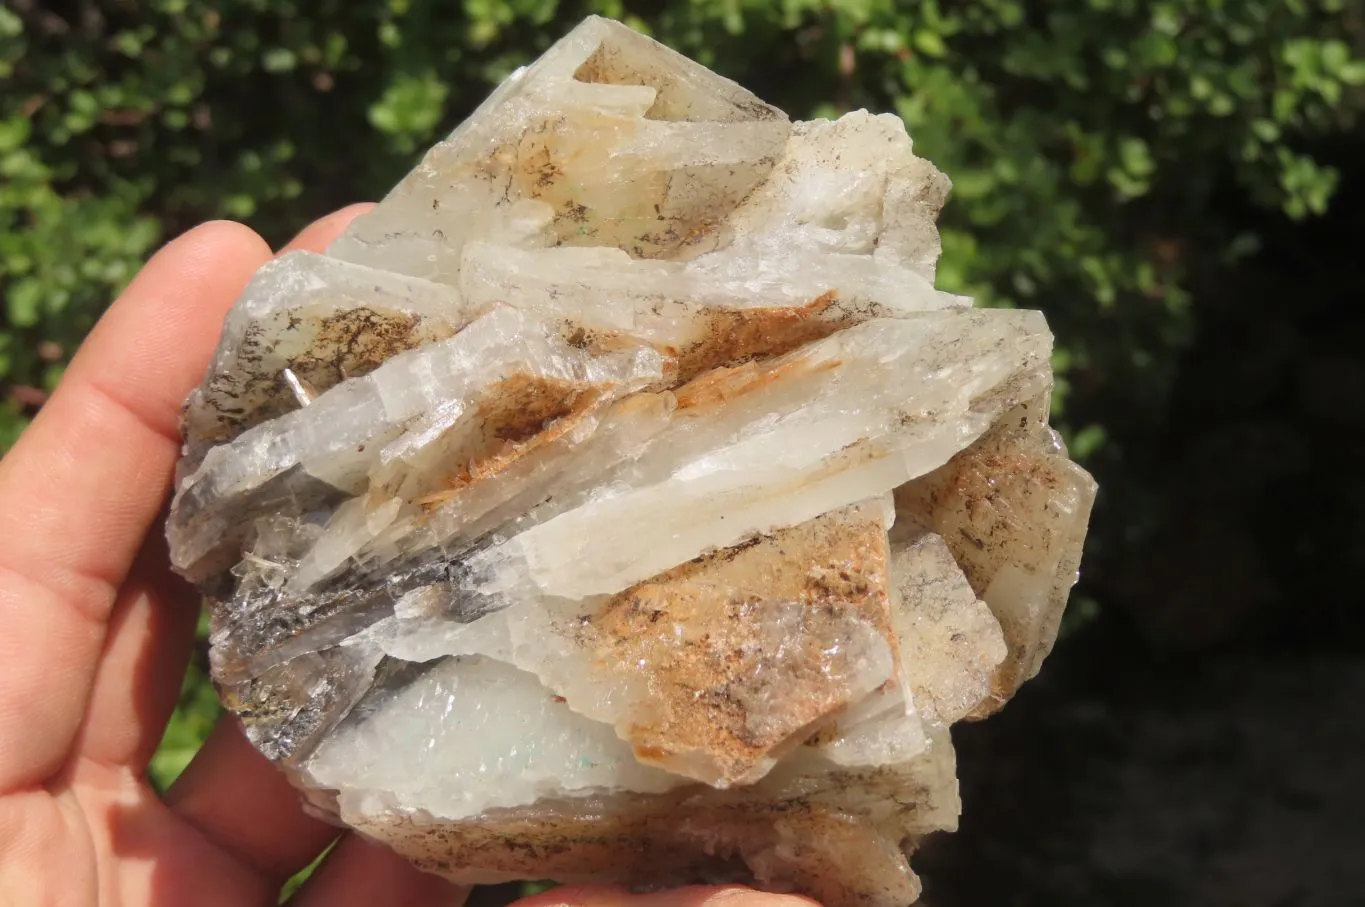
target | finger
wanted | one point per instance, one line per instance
(317, 236)
(357, 874)
(145, 855)
(690, 896)
(141, 669)
(81, 488)
(152, 623)
(237, 799)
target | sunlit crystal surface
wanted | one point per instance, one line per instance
(620, 501)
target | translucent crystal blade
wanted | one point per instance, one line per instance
(492, 738)
(778, 443)
(1016, 488)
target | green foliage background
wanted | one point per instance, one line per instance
(1093, 145)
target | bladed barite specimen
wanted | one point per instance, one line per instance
(620, 501)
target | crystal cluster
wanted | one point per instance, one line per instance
(620, 501)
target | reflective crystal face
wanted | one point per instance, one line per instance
(619, 501)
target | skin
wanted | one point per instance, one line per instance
(95, 633)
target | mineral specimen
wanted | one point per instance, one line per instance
(620, 501)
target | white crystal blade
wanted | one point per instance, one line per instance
(950, 642)
(473, 734)
(839, 421)
(341, 437)
(1016, 489)
(320, 319)
(616, 134)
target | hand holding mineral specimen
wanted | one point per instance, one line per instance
(620, 501)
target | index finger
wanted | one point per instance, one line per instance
(81, 488)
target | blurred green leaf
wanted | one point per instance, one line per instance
(410, 108)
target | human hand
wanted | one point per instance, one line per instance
(95, 633)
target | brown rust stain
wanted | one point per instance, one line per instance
(731, 337)
(735, 357)
(722, 633)
(519, 415)
(979, 500)
(597, 342)
(986, 503)
(518, 408)
(647, 753)
(734, 351)
(713, 389)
